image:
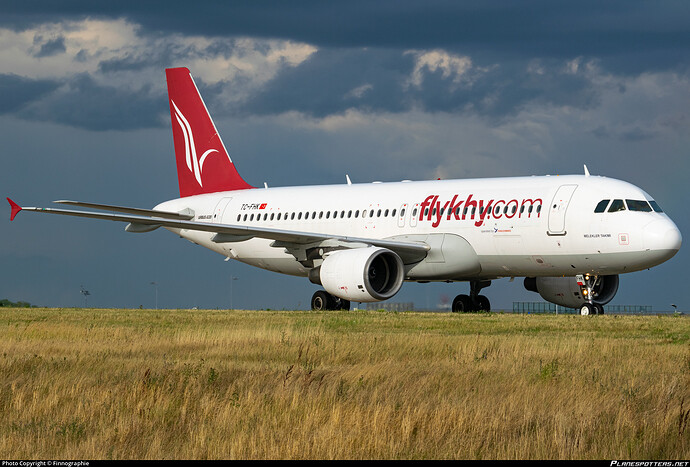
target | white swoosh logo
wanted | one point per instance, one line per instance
(194, 164)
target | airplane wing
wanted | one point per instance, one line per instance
(144, 220)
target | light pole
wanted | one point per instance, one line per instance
(85, 293)
(156, 286)
(232, 278)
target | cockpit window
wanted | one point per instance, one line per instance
(637, 205)
(601, 207)
(617, 205)
(655, 206)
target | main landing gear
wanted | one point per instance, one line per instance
(322, 300)
(473, 301)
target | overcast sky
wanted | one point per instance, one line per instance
(304, 92)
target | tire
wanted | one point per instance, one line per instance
(462, 304)
(483, 304)
(320, 301)
(599, 308)
(587, 309)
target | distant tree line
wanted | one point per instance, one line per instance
(6, 303)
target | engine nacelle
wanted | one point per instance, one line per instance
(361, 274)
(565, 291)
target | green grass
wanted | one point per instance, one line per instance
(169, 384)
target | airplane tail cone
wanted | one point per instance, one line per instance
(203, 163)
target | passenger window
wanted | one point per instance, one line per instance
(638, 205)
(617, 205)
(245, 217)
(356, 213)
(601, 207)
(655, 206)
(313, 215)
(328, 214)
(320, 214)
(394, 210)
(251, 218)
(385, 214)
(272, 216)
(378, 214)
(538, 209)
(349, 214)
(414, 212)
(292, 216)
(265, 216)
(371, 213)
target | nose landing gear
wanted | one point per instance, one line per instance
(589, 285)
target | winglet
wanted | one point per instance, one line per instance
(15, 209)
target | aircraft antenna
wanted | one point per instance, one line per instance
(586, 171)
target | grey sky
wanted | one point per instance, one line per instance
(305, 92)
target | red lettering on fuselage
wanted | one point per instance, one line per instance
(433, 210)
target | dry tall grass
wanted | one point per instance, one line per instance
(176, 384)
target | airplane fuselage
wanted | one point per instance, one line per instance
(477, 228)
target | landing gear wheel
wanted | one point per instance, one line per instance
(599, 308)
(321, 301)
(587, 309)
(482, 304)
(462, 304)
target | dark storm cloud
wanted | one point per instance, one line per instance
(83, 103)
(531, 28)
(324, 83)
(49, 47)
(333, 81)
(17, 91)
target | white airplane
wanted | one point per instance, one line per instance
(568, 236)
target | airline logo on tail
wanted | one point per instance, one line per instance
(194, 164)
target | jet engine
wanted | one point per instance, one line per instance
(566, 291)
(361, 275)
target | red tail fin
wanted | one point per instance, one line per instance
(203, 163)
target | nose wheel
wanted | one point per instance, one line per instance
(591, 309)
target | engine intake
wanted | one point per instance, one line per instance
(362, 275)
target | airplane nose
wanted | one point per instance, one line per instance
(662, 236)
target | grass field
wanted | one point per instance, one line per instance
(179, 384)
